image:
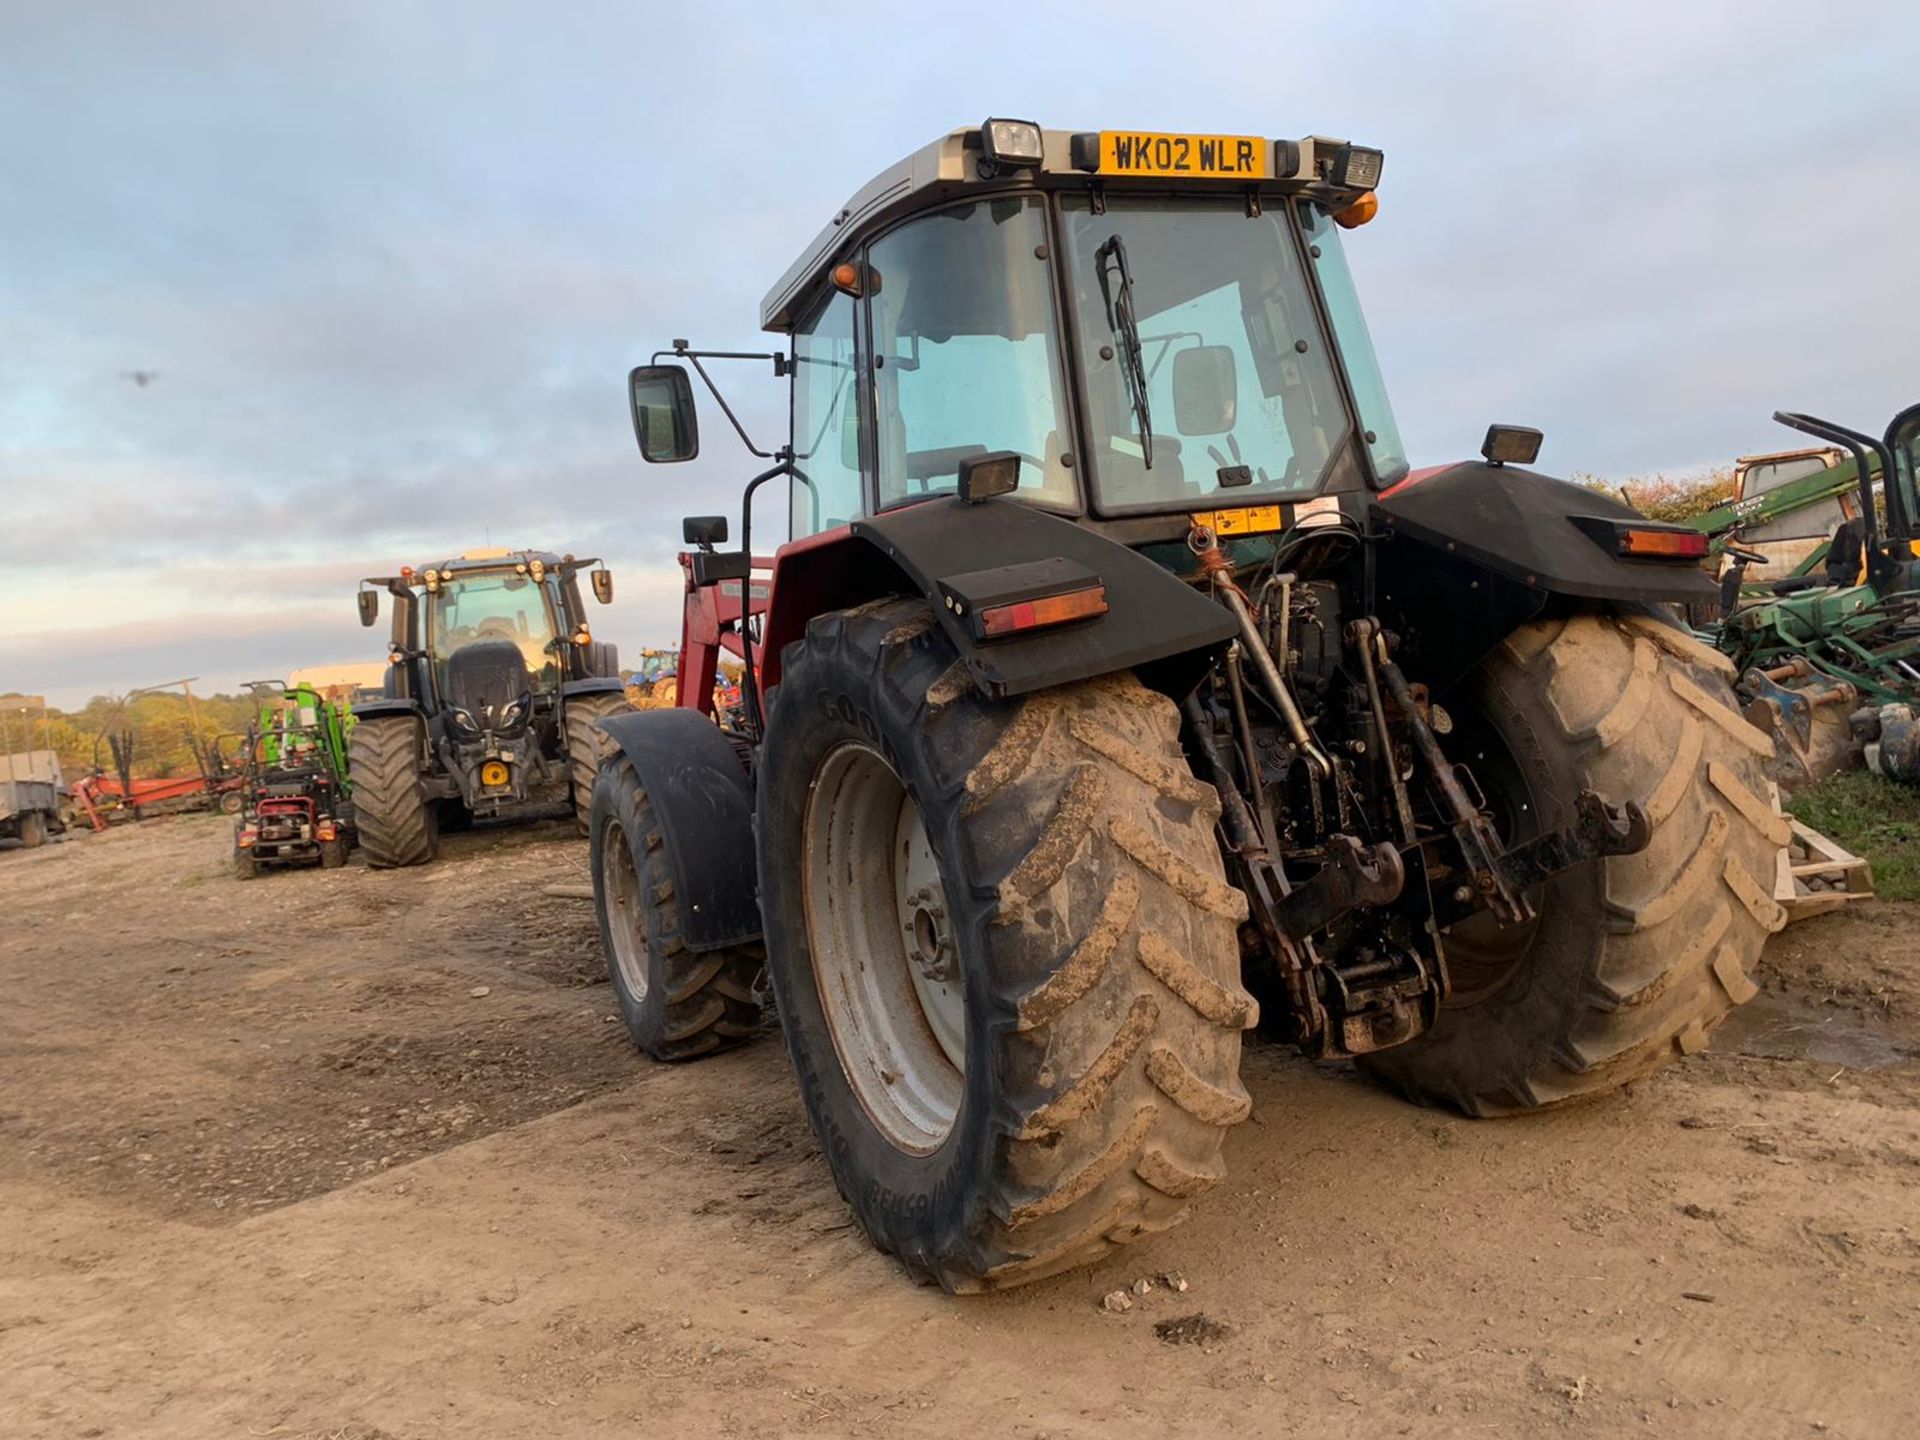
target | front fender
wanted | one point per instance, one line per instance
(1155, 622)
(594, 685)
(392, 705)
(703, 802)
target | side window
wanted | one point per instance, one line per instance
(826, 420)
(1810, 522)
(967, 351)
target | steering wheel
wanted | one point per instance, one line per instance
(1746, 556)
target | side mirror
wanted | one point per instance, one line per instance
(369, 602)
(705, 531)
(1206, 391)
(602, 585)
(663, 415)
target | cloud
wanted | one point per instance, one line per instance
(391, 263)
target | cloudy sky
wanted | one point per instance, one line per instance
(390, 262)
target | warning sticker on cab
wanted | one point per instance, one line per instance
(1253, 520)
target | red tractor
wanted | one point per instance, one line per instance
(1118, 688)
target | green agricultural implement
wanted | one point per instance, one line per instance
(1826, 668)
(296, 805)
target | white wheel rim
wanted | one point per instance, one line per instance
(884, 956)
(620, 887)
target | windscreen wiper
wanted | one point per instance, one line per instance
(1111, 258)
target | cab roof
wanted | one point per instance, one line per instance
(956, 164)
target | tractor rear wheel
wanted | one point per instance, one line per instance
(679, 1004)
(1003, 948)
(588, 746)
(1635, 959)
(397, 824)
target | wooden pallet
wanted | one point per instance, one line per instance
(1814, 875)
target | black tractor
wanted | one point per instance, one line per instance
(494, 687)
(1120, 687)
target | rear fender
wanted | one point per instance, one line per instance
(1475, 551)
(1522, 525)
(704, 803)
(1155, 622)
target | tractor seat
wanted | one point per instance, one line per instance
(486, 678)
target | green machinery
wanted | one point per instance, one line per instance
(296, 806)
(1827, 667)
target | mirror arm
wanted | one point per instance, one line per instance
(750, 686)
(681, 352)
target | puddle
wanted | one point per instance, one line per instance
(1781, 1027)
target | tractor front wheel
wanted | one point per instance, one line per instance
(1632, 960)
(587, 746)
(33, 830)
(1003, 948)
(679, 1004)
(397, 824)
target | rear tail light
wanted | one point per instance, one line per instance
(1022, 615)
(1663, 544)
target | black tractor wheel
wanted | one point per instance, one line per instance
(232, 802)
(333, 853)
(1635, 959)
(245, 867)
(679, 1004)
(587, 746)
(1003, 948)
(396, 822)
(33, 830)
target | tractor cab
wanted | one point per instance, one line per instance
(1143, 326)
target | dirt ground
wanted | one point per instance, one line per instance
(365, 1154)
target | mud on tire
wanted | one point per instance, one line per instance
(1633, 960)
(1096, 941)
(396, 823)
(679, 1004)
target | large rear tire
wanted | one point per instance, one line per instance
(679, 1004)
(1633, 960)
(1003, 949)
(587, 747)
(396, 822)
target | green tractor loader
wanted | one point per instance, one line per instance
(296, 804)
(494, 688)
(1119, 687)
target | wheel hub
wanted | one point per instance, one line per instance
(884, 954)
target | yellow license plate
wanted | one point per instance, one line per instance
(1205, 157)
(1254, 520)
